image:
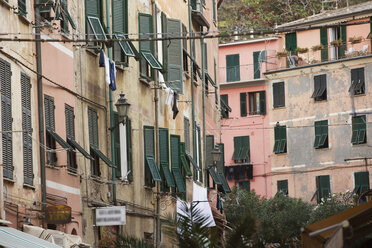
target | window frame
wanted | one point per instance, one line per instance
(278, 94)
(236, 67)
(357, 88)
(359, 130)
(261, 102)
(320, 88)
(321, 139)
(280, 136)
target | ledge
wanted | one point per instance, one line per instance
(29, 186)
(24, 19)
(6, 4)
(229, 85)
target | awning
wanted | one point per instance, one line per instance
(12, 238)
(59, 140)
(102, 156)
(79, 148)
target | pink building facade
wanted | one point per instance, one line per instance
(245, 122)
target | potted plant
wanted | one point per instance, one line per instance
(317, 48)
(301, 50)
(336, 43)
(355, 40)
(283, 53)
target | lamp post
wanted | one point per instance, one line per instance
(122, 106)
(216, 155)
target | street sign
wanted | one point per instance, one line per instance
(58, 214)
(110, 216)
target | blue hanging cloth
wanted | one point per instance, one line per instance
(101, 58)
(112, 76)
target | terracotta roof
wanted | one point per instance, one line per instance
(343, 14)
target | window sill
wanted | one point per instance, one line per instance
(96, 179)
(362, 94)
(148, 188)
(322, 149)
(122, 66)
(92, 50)
(24, 19)
(5, 4)
(279, 107)
(358, 145)
(320, 101)
(28, 186)
(8, 180)
(54, 167)
(145, 81)
(282, 153)
(75, 174)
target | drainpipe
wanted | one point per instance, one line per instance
(40, 105)
(204, 123)
(156, 102)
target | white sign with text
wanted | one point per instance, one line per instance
(110, 216)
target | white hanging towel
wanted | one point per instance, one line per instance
(170, 95)
(107, 70)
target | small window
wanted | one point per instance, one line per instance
(278, 95)
(282, 187)
(224, 100)
(323, 188)
(359, 135)
(257, 103)
(50, 142)
(243, 104)
(280, 145)
(241, 149)
(232, 68)
(320, 88)
(357, 82)
(93, 141)
(361, 180)
(321, 134)
(70, 133)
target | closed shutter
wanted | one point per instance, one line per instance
(205, 56)
(325, 186)
(243, 104)
(361, 180)
(232, 68)
(118, 16)
(70, 122)
(210, 146)
(200, 156)
(344, 41)
(291, 42)
(93, 8)
(278, 94)
(22, 7)
(214, 10)
(6, 118)
(129, 149)
(256, 65)
(237, 148)
(176, 163)
(116, 133)
(93, 127)
(221, 163)
(49, 113)
(163, 146)
(324, 42)
(262, 102)
(187, 135)
(244, 154)
(174, 56)
(28, 174)
(164, 22)
(146, 30)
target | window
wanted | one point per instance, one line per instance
(210, 162)
(232, 68)
(323, 188)
(94, 24)
(257, 103)
(93, 140)
(184, 46)
(22, 7)
(50, 142)
(185, 163)
(176, 163)
(337, 33)
(320, 88)
(324, 43)
(243, 104)
(28, 174)
(321, 134)
(70, 133)
(241, 149)
(361, 180)
(166, 175)
(359, 135)
(357, 82)
(291, 42)
(151, 169)
(224, 100)
(256, 65)
(280, 145)
(278, 95)
(198, 176)
(187, 135)
(6, 118)
(282, 187)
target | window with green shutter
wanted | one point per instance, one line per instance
(151, 169)
(280, 145)
(22, 8)
(176, 163)
(359, 132)
(357, 86)
(224, 100)
(243, 104)
(321, 134)
(93, 140)
(241, 149)
(361, 180)
(256, 65)
(291, 42)
(28, 173)
(214, 11)
(209, 147)
(278, 95)
(232, 68)
(70, 135)
(323, 187)
(257, 103)
(187, 135)
(320, 88)
(324, 43)
(6, 118)
(166, 175)
(50, 128)
(199, 174)
(282, 187)
(116, 134)
(94, 20)
(342, 49)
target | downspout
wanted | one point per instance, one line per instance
(156, 101)
(40, 106)
(111, 116)
(204, 123)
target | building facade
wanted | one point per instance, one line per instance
(319, 106)
(245, 120)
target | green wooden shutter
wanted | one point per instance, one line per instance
(283, 139)
(200, 173)
(278, 94)
(28, 174)
(232, 68)
(163, 146)
(116, 133)
(282, 186)
(361, 180)
(119, 20)
(206, 55)
(49, 113)
(175, 56)
(325, 186)
(221, 163)
(149, 151)
(243, 104)
(164, 29)
(256, 65)
(184, 161)
(209, 148)
(70, 122)
(6, 118)
(324, 42)
(93, 8)
(146, 30)
(291, 42)
(224, 100)
(237, 147)
(22, 7)
(277, 140)
(176, 163)
(244, 154)
(214, 10)
(129, 149)
(262, 102)
(318, 133)
(93, 127)
(344, 41)
(187, 135)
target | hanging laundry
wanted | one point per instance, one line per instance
(101, 58)
(107, 70)
(112, 76)
(175, 108)
(170, 96)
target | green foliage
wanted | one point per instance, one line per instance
(126, 241)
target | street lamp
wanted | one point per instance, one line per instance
(216, 155)
(122, 106)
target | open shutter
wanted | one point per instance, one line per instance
(237, 146)
(344, 42)
(26, 126)
(149, 152)
(184, 160)
(256, 65)
(146, 30)
(176, 163)
(277, 139)
(210, 146)
(116, 134)
(221, 163)
(93, 127)
(164, 29)
(243, 104)
(318, 133)
(174, 56)
(324, 42)
(291, 42)
(129, 149)
(6, 118)
(232, 68)
(262, 102)
(92, 8)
